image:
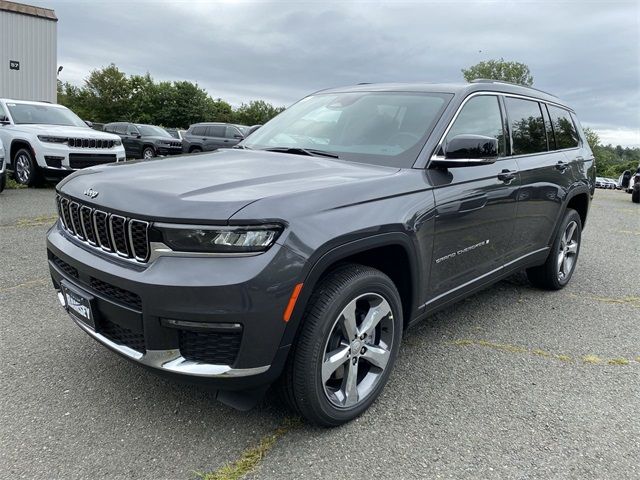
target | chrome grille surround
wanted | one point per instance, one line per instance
(126, 237)
(90, 143)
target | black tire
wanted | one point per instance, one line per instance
(195, 150)
(25, 168)
(148, 152)
(635, 195)
(302, 384)
(550, 275)
(3, 181)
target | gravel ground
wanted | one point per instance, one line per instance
(510, 383)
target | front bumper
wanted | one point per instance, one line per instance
(132, 313)
(164, 150)
(61, 157)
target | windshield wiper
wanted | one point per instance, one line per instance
(312, 152)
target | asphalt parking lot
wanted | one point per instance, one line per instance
(511, 383)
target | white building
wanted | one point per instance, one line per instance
(28, 52)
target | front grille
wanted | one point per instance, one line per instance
(65, 267)
(83, 160)
(117, 294)
(122, 335)
(90, 143)
(214, 347)
(175, 145)
(126, 237)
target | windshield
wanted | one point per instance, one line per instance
(384, 128)
(152, 131)
(26, 113)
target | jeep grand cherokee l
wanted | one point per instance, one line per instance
(44, 139)
(145, 141)
(301, 256)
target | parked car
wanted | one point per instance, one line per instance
(145, 141)
(301, 256)
(634, 185)
(601, 182)
(3, 168)
(176, 132)
(609, 183)
(205, 137)
(44, 139)
(623, 181)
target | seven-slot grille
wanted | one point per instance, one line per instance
(90, 143)
(126, 237)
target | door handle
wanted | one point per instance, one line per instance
(562, 166)
(507, 175)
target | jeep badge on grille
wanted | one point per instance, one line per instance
(91, 193)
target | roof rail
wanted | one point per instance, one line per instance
(504, 82)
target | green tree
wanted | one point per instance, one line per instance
(256, 112)
(514, 72)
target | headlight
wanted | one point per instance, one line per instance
(50, 139)
(221, 239)
(117, 143)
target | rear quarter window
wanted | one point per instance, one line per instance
(563, 128)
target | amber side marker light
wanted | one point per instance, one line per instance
(292, 302)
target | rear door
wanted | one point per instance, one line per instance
(545, 173)
(133, 143)
(475, 206)
(215, 137)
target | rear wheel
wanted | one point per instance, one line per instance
(195, 150)
(25, 169)
(635, 195)
(347, 347)
(556, 272)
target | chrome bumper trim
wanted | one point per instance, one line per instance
(169, 360)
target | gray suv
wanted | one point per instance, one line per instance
(301, 257)
(205, 137)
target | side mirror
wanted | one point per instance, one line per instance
(238, 136)
(89, 124)
(468, 151)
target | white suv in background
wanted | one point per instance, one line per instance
(3, 168)
(47, 139)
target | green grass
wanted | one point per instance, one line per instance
(251, 458)
(13, 185)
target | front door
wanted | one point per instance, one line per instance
(475, 206)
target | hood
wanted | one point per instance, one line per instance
(210, 188)
(64, 131)
(157, 138)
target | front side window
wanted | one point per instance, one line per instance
(233, 132)
(199, 131)
(121, 128)
(132, 130)
(384, 128)
(480, 116)
(527, 126)
(563, 128)
(38, 114)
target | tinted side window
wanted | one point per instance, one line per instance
(215, 131)
(232, 132)
(121, 128)
(199, 131)
(480, 116)
(563, 127)
(132, 130)
(527, 126)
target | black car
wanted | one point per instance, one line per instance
(206, 137)
(144, 141)
(300, 257)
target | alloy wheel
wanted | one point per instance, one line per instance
(23, 168)
(568, 250)
(358, 350)
(147, 154)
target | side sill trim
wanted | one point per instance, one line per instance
(484, 275)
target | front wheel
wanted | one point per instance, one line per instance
(25, 168)
(148, 153)
(635, 195)
(556, 272)
(3, 181)
(347, 347)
